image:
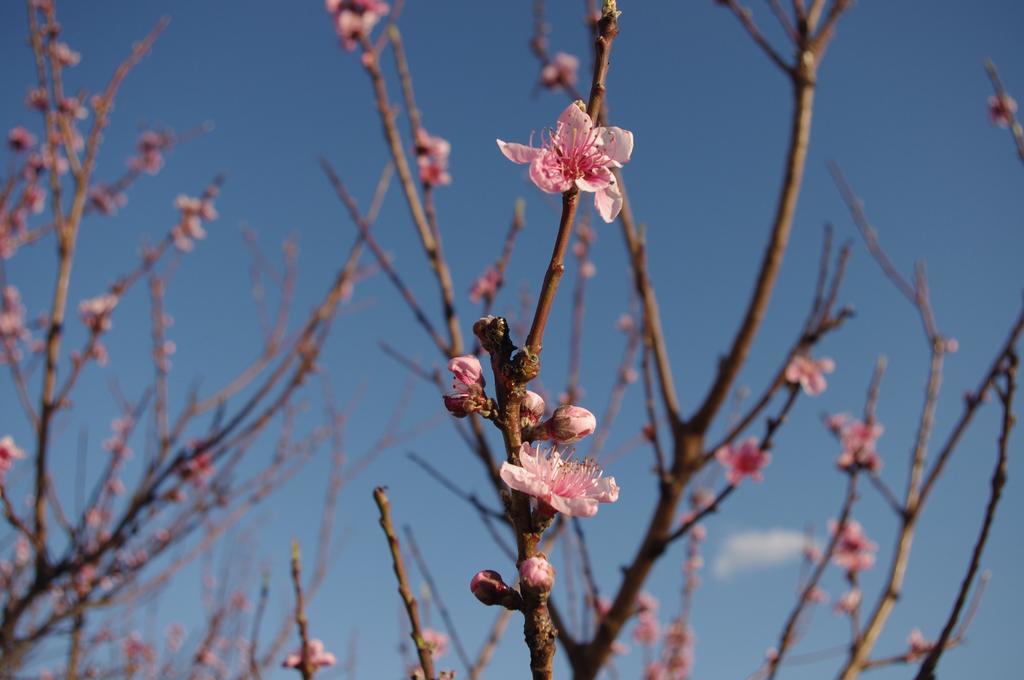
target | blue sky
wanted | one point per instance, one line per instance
(901, 106)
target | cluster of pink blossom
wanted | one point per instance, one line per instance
(745, 460)
(858, 440)
(648, 630)
(20, 139)
(95, 312)
(354, 19)
(106, 200)
(432, 158)
(194, 211)
(197, 469)
(117, 443)
(854, 551)
(150, 147)
(577, 154)
(560, 71)
(809, 373)
(315, 653)
(13, 331)
(1002, 109)
(678, 656)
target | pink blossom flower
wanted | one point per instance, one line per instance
(577, 154)
(485, 285)
(848, 602)
(315, 653)
(1001, 109)
(568, 486)
(436, 641)
(569, 424)
(626, 323)
(809, 373)
(858, 439)
(560, 71)
(37, 99)
(854, 551)
(95, 312)
(8, 454)
(816, 595)
(150, 146)
(467, 395)
(197, 469)
(588, 270)
(20, 139)
(194, 211)
(918, 646)
(746, 460)
(432, 158)
(354, 19)
(536, 572)
(65, 55)
(648, 630)
(137, 651)
(72, 106)
(106, 200)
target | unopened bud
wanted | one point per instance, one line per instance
(570, 424)
(488, 587)
(532, 409)
(537, 572)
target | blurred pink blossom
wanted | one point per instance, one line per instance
(316, 654)
(485, 285)
(1001, 109)
(432, 158)
(809, 373)
(20, 139)
(746, 460)
(854, 551)
(560, 71)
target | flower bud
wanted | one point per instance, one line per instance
(459, 405)
(537, 572)
(532, 409)
(488, 587)
(570, 424)
(467, 370)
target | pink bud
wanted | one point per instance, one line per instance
(532, 409)
(459, 405)
(467, 370)
(488, 586)
(537, 572)
(570, 424)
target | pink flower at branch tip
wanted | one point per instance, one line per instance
(1001, 109)
(809, 373)
(65, 55)
(560, 71)
(316, 654)
(536, 572)
(746, 460)
(568, 486)
(577, 154)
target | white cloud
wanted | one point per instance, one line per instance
(757, 549)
